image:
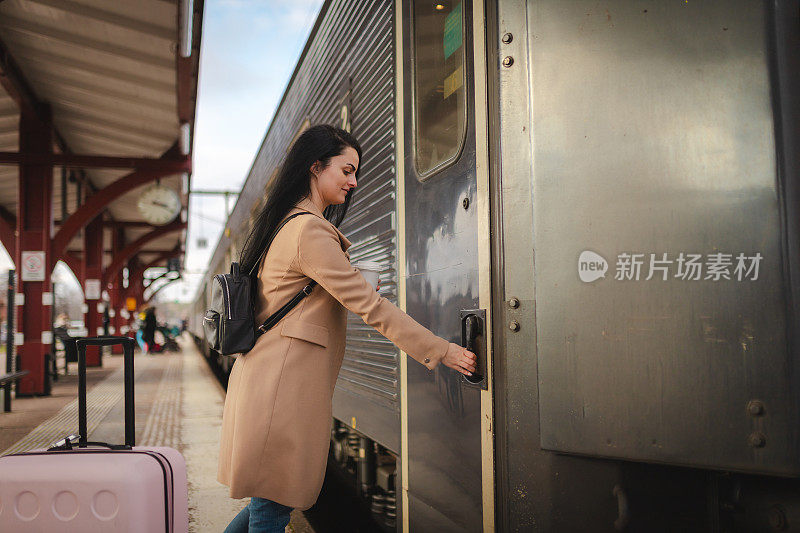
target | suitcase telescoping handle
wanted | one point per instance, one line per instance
(127, 347)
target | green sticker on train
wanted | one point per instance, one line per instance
(452, 31)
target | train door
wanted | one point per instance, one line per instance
(447, 468)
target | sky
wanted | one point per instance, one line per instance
(248, 52)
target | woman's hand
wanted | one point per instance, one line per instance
(461, 359)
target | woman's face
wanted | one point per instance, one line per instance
(335, 181)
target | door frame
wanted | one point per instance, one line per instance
(486, 277)
(483, 197)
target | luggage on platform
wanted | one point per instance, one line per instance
(92, 486)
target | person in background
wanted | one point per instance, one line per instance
(140, 330)
(60, 326)
(149, 328)
(61, 322)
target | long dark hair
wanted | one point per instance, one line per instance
(292, 184)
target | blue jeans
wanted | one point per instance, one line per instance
(260, 516)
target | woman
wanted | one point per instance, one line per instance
(277, 416)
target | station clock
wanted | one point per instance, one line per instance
(159, 204)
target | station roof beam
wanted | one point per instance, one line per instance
(176, 165)
(155, 291)
(121, 81)
(97, 202)
(97, 101)
(130, 250)
(163, 256)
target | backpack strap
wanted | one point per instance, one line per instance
(266, 248)
(280, 313)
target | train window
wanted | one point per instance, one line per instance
(440, 103)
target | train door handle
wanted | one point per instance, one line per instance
(473, 338)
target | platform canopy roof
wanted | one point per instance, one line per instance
(120, 80)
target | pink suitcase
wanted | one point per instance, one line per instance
(95, 487)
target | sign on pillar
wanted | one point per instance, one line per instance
(130, 311)
(33, 266)
(92, 289)
(91, 292)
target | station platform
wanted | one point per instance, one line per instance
(178, 403)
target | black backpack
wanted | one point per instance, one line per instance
(229, 324)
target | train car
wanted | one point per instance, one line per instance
(601, 200)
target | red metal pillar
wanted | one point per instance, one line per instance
(92, 288)
(117, 312)
(115, 293)
(115, 304)
(130, 315)
(136, 286)
(34, 225)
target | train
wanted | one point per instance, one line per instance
(599, 198)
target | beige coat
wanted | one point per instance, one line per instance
(277, 417)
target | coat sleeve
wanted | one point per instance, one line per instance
(321, 258)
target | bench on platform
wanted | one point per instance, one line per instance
(5, 381)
